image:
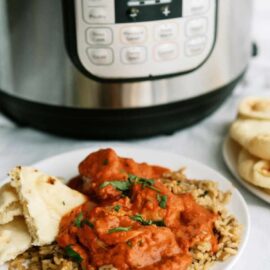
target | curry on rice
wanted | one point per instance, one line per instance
(137, 222)
(138, 216)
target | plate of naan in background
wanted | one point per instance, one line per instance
(246, 150)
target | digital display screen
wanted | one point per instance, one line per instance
(127, 11)
(136, 3)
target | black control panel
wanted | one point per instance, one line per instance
(127, 11)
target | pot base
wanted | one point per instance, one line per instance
(114, 123)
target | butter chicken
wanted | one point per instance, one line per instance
(132, 221)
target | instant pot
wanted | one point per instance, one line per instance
(120, 68)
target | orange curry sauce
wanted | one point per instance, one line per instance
(134, 222)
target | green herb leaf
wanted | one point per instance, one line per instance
(146, 182)
(126, 185)
(153, 188)
(132, 178)
(149, 183)
(117, 208)
(129, 243)
(140, 219)
(159, 223)
(73, 255)
(78, 220)
(88, 223)
(105, 162)
(119, 229)
(119, 185)
(162, 199)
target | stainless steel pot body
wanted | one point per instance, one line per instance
(34, 64)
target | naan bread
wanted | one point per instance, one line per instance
(9, 204)
(253, 135)
(255, 108)
(45, 201)
(14, 239)
(254, 170)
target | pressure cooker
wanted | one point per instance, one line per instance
(119, 69)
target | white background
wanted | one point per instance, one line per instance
(203, 142)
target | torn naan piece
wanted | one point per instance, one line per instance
(45, 200)
(14, 239)
(9, 204)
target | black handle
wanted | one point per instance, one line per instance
(254, 50)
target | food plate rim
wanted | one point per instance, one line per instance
(231, 164)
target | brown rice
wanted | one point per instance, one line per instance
(227, 228)
(206, 193)
(49, 257)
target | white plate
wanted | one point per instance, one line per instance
(230, 154)
(65, 165)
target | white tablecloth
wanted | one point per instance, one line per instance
(23, 146)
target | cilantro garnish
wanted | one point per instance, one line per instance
(105, 162)
(119, 185)
(159, 223)
(119, 229)
(78, 220)
(162, 199)
(139, 218)
(127, 184)
(117, 208)
(73, 255)
(88, 223)
(146, 183)
(129, 243)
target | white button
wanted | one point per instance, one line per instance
(166, 51)
(133, 55)
(101, 56)
(97, 15)
(194, 7)
(166, 31)
(133, 35)
(195, 46)
(94, 2)
(196, 27)
(99, 36)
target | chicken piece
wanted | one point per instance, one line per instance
(196, 224)
(155, 202)
(151, 246)
(114, 227)
(104, 165)
(178, 262)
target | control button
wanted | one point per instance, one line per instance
(97, 15)
(133, 55)
(94, 2)
(133, 35)
(166, 11)
(196, 45)
(196, 27)
(99, 36)
(100, 56)
(194, 7)
(166, 31)
(166, 51)
(133, 13)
